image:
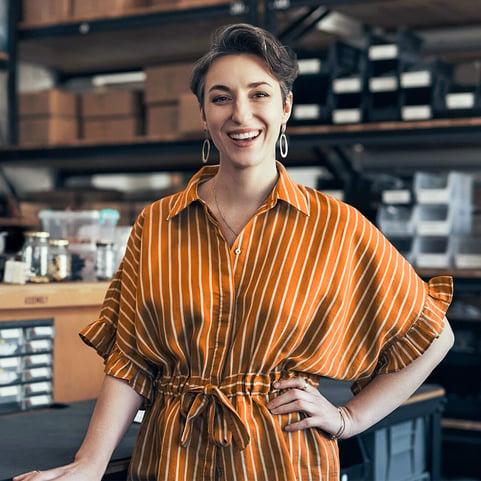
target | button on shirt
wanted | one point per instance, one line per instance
(202, 329)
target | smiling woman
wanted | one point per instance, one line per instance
(239, 293)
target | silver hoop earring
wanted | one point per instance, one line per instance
(205, 151)
(283, 146)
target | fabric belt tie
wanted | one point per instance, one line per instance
(223, 420)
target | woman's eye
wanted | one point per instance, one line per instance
(261, 95)
(219, 99)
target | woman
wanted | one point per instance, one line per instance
(237, 294)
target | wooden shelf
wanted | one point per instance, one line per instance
(77, 46)
(18, 222)
(462, 424)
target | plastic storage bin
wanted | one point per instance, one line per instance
(10, 370)
(433, 252)
(11, 341)
(396, 220)
(442, 220)
(444, 188)
(398, 452)
(467, 252)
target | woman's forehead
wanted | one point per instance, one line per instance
(236, 67)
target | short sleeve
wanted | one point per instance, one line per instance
(113, 334)
(413, 342)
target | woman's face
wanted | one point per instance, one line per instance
(243, 109)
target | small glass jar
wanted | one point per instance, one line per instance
(35, 255)
(59, 261)
(105, 260)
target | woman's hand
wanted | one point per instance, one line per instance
(75, 471)
(317, 411)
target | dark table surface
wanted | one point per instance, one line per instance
(45, 438)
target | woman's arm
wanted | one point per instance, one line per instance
(379, 398)
(388, 391)
(114, 411)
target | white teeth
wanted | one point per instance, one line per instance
(244, 135)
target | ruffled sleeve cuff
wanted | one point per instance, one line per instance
(401, 351)
(101, 336)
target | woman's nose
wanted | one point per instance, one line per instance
(241, 111)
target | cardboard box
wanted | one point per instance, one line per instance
(46, 10)
(88, 8)
(189, 115)
(47, 102)
(111, 103)
(111, 129)
(162, 119)
(166, 83)
(47, 130)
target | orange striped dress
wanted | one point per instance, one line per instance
(202, 329)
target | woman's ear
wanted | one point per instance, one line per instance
(202, 117)
(287, 107)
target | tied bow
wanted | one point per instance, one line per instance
(223, 420)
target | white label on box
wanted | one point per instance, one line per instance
(344, 116)
(396, 196)
(437, 261)
(38, 359)
(9, 362)
(306, 112)
(39, 400)
(37, 387)
(433, 228)
(383, 84)
(43, 331)
(433, 196)
(383, 52)
(40, 345)
(10, 333)
(460, 100)
(309, 66)
(9, 391)
(38, 372)
(416, 112)
(347, 85)
(468, 261)
(422, 78)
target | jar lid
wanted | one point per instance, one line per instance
(59, 242)
(38, 234)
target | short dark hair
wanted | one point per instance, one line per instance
(245, 38)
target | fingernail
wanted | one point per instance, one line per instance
(276, 384)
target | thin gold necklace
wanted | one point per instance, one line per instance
(220, 211)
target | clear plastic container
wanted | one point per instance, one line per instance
(443, 188)
(467, 252)
(82, 229)
(433, 252)
(396, 220)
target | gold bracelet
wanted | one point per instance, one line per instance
(340, 432)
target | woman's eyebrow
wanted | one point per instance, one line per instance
(251, 85)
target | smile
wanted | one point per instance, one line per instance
(244, 135)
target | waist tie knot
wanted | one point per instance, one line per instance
(223, 421)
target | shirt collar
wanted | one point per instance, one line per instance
(286, 190)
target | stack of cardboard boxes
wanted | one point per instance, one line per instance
(47, 117)
(58, 10)
(111, 115)
(35, 11)
(171, 109)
